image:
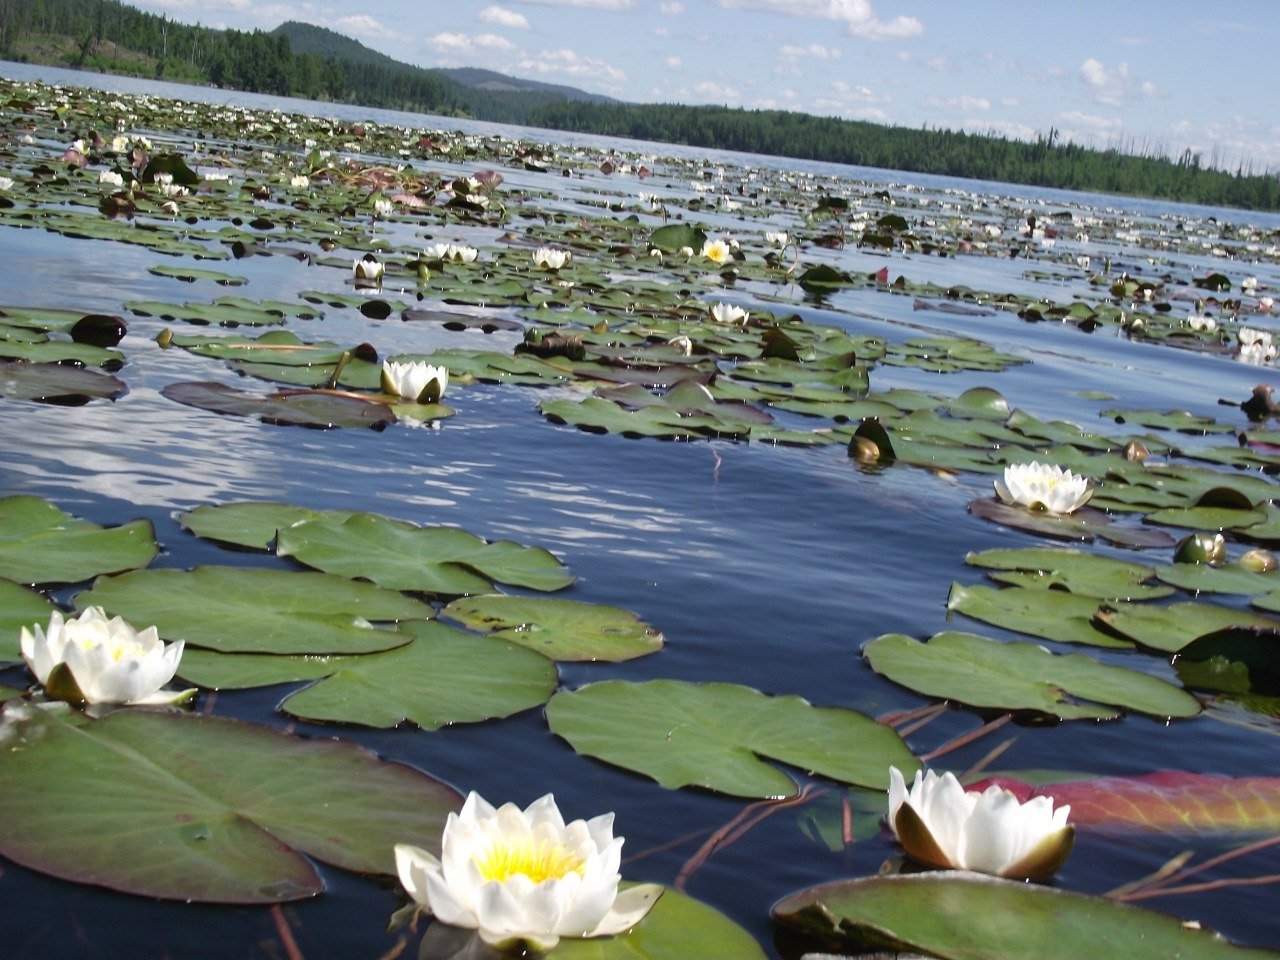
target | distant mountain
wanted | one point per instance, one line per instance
(308, 38)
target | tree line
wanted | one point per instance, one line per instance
(266, 63)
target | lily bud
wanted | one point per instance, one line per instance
(1208, 548)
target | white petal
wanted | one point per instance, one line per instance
(630, 907)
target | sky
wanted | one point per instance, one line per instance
(1159, 76)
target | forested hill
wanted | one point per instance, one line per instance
(302, 60)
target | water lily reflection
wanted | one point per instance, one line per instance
(96, 660)
(940, 824)
(525, 878)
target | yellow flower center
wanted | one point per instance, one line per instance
(542, 860)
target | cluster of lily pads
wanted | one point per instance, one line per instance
(681, 314)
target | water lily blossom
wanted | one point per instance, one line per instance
(1256, 346)
(300, 180)
(1045, 487)
(416, 380)
(109, 661)
(550, 258)
(368, 268)
(779, 239)
(717, 251)
(525, 878)
(451, 253)
(940, 824)
(728, 313)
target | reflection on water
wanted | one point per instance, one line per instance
(767, 566)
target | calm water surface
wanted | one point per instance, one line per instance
(766, 566)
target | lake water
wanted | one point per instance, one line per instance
(763, 565)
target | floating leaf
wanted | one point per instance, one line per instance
(303, 408)
(559, 629)
(1022, 676)
(238, 610)
(1232, 578)
(441, 677)
(1170, 628)
(203, 808)
(713, 735)
(674, 236)
(1051, 614)
(1085, 524)
(967, 916)
(251, 524)
(1084, 574)
(39, 543)
(404, 556)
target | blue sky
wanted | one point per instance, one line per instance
(1164, 74)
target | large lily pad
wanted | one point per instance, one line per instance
(1171, 627)
(963, 916)
(237, 610)
(1084, 574)
(303, 408)
(1050, 614)
(560, 629)
(1232, 578)
(39, 543)
(404, 556)
(203, 808)
(250, 524)
(1022, 676)
(442, 676)
(714, 735)
(56, 383)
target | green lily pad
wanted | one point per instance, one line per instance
(1171, 627)
(441, 677)
(964, 916)
(1084, 574)
(238, 610)
(1022, 676)
(1085, 524)
(39, 543)
(714, 735)
(559, 629)
(57, 384)
(1231, 578)
(165, 804)
(303, 408)
(596, 415)
(671, 238)
(1179, 420)
(1050, 614)
(251, 525)
(404, 556)
(19, 607)
(191, 274)
(1208, 518)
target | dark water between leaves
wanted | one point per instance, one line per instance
(762, 565)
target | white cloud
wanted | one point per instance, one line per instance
(673, 63)
(586, 4)
(858, 16)
(1088, 122)
(709, 90)
(362, 25)
(467, 43)
(1115, 87)
(673, 9)
(963, 103)
(566, 63)
(814, 51)
(502, 17)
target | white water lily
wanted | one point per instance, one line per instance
(779, 239)
(368, 268)
(940, 824)
(109, 660)
(525, 877)
(1256, 346)
(416, 380)
(728, 313)
(300, 180)
(717, 251)
(1201, 323)
(451, 253)
(119, 143)
(551, 258)
(6, 183)
(383, 207)
(1043, 486)
(112, 177)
